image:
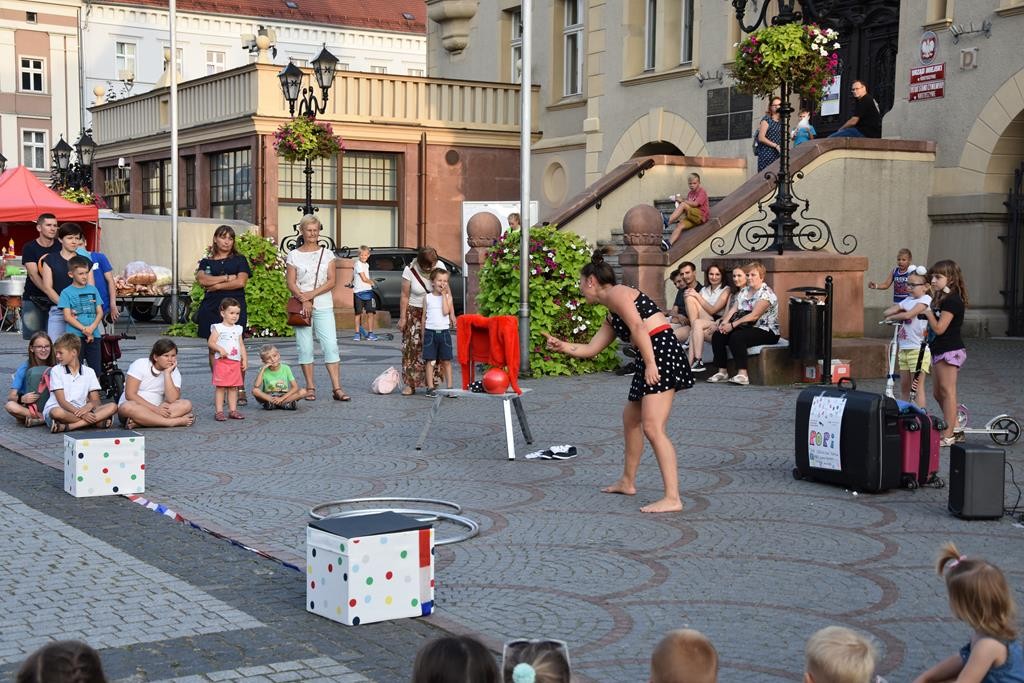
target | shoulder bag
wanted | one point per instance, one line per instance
(296, 317)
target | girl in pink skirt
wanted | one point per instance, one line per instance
(229, 359)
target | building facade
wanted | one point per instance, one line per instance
(40, 80)
(624, 79)
(125, 42)
(415, 149)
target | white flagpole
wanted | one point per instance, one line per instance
(174, 161)
(525, 125)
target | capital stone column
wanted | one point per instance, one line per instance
(482, 230)
(643, 262)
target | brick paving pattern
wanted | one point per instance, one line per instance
(758, 561)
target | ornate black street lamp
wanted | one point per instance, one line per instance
(76, 173)
(324, 68)
(3, 163)
(783, 232)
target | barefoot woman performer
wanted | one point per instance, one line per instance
(661, 371)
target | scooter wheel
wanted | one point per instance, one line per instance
(116, 385)
(1012, 428)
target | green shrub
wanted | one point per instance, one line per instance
(556, 303)
(266, 292)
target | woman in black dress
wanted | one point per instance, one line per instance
(769, 136)
(223, 273)
(662, 370)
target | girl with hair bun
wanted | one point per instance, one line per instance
(946, 318)
(66, 661)
(661, 371)
(980, 597)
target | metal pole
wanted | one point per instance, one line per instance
(307, 210)
(826, 342)
(173, 17)
(525, 125)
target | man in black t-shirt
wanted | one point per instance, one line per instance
(34, 304)
(866, 121)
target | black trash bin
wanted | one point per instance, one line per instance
(807, 324)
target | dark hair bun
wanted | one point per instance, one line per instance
(597, 258)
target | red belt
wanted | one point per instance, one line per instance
(659, 329)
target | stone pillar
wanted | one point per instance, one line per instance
(643, 262)
(483, 230)
(809, 268)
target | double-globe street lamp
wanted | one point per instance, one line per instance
(324, 69)
(76, 173)
(3, 163)
(783, 231)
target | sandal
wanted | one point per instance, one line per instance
(106, 424)
(242, 400)
(220, 417)
(129, 424)
(57, 427)
(235, 415)
(34, 421)
(408, 391)
(340, 395)
(310, 393)
(191, 419)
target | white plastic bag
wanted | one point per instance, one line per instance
(385, 382)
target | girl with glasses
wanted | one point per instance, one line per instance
(912, 334)
(24, 401)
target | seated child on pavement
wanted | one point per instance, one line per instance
(275, 385)
(74, 401)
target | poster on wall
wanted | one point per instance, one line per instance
(823, 430)
(499, 209)
(830, 103)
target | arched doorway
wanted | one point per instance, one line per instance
(657, 147)
(869, 35)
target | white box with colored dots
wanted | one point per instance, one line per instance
(104, 463)
(369, 568)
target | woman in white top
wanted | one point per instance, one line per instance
(152, 391)
(415, 285)
(704, 308)
(311, 280)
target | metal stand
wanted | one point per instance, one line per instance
(508, 401)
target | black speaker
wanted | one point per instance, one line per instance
(976, 481)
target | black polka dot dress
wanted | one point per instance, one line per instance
(765, 154)
(669, 355)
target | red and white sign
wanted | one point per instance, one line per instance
(927, 82)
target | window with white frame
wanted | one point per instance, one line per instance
(650, 34)
(179, 61)
(32, 74)
(124, 60)
(415, 72)
(516, 46)
(572, 49)
(374, 69)
(33, 149)
(686, 35)
(215, 61)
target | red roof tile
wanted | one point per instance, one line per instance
(381, 15)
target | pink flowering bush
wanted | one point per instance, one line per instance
(804, 55)
(305, 138)
(556, 303)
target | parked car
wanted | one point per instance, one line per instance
(386, 266)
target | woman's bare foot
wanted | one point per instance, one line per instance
(621, 486)
(664, 505)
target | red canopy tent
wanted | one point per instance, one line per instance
(23, 197)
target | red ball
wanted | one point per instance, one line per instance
(496, 381)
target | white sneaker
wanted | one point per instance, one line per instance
(742, 380)
(719, 376)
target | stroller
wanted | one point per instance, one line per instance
(111, 377)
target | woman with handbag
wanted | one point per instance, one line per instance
(415, 286)
(223, 274)
(752, 321)
(311, 278)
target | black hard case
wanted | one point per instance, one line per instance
(870, 455)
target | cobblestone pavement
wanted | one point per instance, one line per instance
(758, 561)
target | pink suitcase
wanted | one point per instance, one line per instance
(919, 443)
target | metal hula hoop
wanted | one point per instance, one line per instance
(421, 514)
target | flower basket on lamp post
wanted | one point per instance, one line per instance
(785, 58)
(305, 139)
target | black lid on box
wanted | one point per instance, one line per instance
(369, 525)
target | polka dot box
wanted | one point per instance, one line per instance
(369, 568)
(104, 463)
